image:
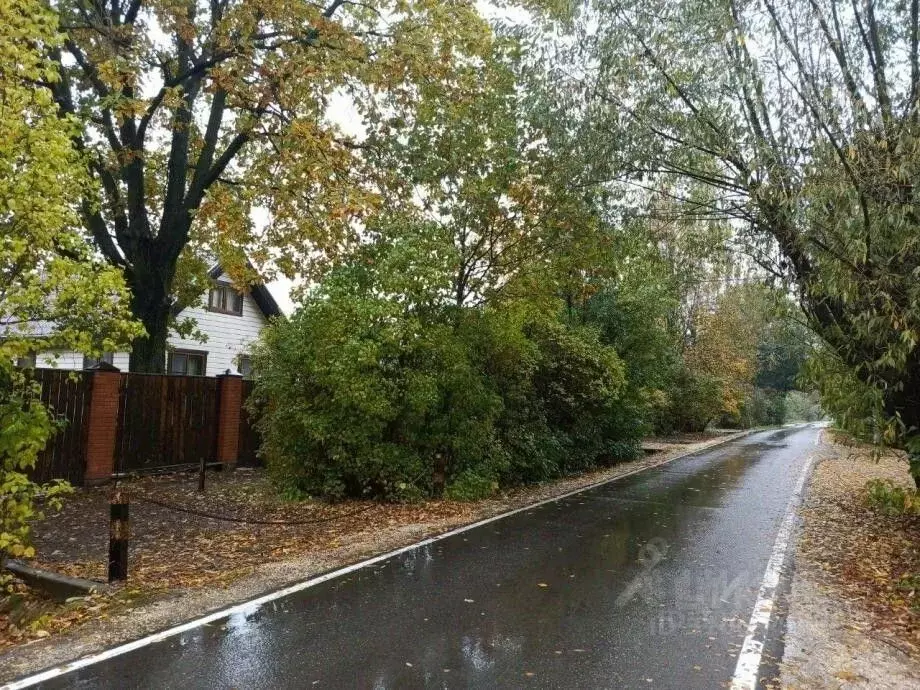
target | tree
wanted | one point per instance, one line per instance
(436, 356)
(802, 117)
(724, 347)
(54, 292)
(786, 344)
(198, 114)
(380, 386)
(486, 161)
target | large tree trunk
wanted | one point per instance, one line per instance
(151, 302)
(148, 352)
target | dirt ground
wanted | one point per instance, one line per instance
(851, 621)
(184, 563)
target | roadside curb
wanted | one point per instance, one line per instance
(251, 605)
(61, 587)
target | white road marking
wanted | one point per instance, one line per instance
(251, 606)
(748, 666)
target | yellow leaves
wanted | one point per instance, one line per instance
(172, 98)
(726, 345)
(42, 179)
(53, 277)
(12, 545)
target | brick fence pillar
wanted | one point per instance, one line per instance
(229, 409)
(102, 427)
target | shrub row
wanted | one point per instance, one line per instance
(362, 396)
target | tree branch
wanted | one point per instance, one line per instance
(876, 58)
(912, 113)
(835, 41)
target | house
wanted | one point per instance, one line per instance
(230, 320)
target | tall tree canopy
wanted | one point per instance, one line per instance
(487, 166)
(54, 293)
(802, 117)
(196, 113)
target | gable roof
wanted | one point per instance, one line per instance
(260, 294)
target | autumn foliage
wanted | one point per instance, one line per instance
(54, 292)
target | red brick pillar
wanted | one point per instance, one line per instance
(230, 403)
(102, 427)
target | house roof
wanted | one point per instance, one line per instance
(260, 294)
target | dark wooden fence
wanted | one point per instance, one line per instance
(165, 421)
(249, 438)
(66, 395)
(115, 423)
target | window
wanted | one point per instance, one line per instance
(226, 300)
(88, 361)
(187, 363)
(244, 366)
(27, 361)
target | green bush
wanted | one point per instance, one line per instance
(361, 397)
(577, 383)
(25, 427)
(562, 395)
(890, 499)
(470, 486)
(694, 400)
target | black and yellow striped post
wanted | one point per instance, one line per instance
(119, 528)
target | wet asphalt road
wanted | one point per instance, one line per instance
(642, 583)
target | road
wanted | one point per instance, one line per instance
(645, 582)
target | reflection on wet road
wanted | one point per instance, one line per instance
(644, 582)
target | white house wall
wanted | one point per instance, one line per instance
(228, 336)
(74, 360)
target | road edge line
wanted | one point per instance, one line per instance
(747, 669)
(253, 605)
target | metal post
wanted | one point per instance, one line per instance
(201, 472)
(439, 475)
(119, 528)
